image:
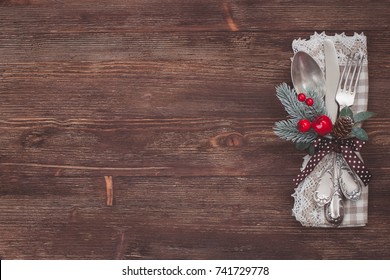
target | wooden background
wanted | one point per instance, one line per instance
(175, 100)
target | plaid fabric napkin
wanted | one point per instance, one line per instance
(355, 212)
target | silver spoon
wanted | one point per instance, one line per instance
(306, 74)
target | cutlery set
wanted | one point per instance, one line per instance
(337, 181)
(325, 109)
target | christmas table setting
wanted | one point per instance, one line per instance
(326, 107)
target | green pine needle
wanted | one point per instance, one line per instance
(288, 98)
(287, 130)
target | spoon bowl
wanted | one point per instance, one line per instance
(306, 74)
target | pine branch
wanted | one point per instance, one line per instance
(297, 109)
(287, 130)
(288, 98)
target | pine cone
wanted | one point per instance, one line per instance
(342, 127)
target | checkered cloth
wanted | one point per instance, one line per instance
(355, 212)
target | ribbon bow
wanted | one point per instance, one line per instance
(347, 147)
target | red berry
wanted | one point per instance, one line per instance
(309, 101)
(322, 125)
(301, 97)
(304, 125)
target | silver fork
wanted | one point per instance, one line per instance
(345, 96)
(349, 80)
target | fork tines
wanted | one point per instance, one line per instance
(351, 72)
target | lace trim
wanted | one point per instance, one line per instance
(344, 45)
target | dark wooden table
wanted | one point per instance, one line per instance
(143, 129)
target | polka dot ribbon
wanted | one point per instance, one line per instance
(347, 147)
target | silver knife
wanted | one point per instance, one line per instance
(332, 72)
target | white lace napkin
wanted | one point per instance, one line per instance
(305, 208)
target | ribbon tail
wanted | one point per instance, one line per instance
(356, 165)
(311, 164)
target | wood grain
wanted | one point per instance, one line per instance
(175, 100)
(209, 217)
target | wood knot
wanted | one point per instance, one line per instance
(232, 139)
(36, 138)
(33, 139)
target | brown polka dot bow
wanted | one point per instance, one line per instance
(347, 147)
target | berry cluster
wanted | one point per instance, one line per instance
(302, 98)
(322, 125)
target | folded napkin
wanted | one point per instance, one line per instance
(305, 208)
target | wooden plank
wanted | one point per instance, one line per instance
(177, 15)
(156, 75)
(242, 217)
(136, 147)
(170, 147)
